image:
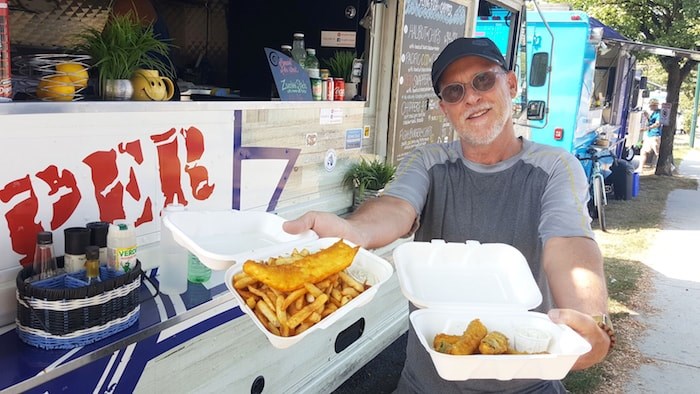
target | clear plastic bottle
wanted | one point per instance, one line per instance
(172, 271)
(312, 65)
(44, 256)
(196, 271)
(92, 264)
(299, 49)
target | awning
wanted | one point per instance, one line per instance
(610, 35)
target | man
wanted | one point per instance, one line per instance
(652, 137)
(489, 186)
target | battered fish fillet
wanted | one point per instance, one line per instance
(467, 343)
(312, 268)
(494, 343)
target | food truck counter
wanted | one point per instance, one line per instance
(201, 340)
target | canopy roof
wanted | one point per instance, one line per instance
(610, 35)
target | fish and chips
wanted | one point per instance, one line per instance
(289, 294)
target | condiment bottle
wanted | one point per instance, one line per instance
(76, 240)
(98, 237)
(44, 257)
(92, 264)
(172, 271)
(121, 247)
(196, 271)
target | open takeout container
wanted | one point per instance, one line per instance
(221, 239)
(454, 283)
(366, 267)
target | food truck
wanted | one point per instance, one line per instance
(226, 144)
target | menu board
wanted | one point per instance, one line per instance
(291, 80)
(416, 120)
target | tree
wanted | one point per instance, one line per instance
(671, 23)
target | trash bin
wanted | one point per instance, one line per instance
(622, 179)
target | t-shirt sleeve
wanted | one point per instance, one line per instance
(412, 182)
(565, 200)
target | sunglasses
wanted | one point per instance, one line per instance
(482, 82)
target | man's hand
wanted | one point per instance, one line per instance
(324, 224)
(589, 330)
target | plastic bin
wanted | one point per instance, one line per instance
(621, 178)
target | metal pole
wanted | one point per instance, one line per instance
(694, 120)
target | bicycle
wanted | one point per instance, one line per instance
(596, 183)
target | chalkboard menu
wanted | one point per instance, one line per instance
(291, 80)
(428, 26)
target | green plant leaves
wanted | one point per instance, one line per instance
(340, 65)
(125, 45)
(369, 175)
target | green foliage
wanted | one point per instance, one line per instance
(123, 46)
(340, 65)
(369, 175)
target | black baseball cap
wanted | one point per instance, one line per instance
(465, 46)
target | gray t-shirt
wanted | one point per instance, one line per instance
(541, 192)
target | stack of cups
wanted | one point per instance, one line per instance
(172, 272)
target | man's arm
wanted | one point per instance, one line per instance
(574, 267)
(377, 222)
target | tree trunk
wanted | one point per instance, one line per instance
(676, 76)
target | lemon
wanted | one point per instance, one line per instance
(56, 88)
(77, 73)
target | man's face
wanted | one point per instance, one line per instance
(653, 106)
(480, 116)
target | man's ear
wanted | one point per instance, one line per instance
(512, 83)
(442, 107)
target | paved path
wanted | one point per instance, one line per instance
(672, 337)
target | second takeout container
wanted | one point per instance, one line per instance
(366, 267)
(454, 283)
(224, 238)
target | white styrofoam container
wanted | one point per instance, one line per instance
(221, 239)
(365, 267)
(455, 283)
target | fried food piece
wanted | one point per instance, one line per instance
(443, 342)
(494, 343)
(471, 338)
(309, 269)
(467, 343)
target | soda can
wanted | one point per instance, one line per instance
(338, 89)
(324, 89)
(325, 73)
(329, 89)
(316, 89)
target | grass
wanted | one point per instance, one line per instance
(632, 226)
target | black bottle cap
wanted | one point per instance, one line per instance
(98, 233)
(77, 239)
(92, 252)
(44, 237)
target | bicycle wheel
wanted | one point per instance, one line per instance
(599, 200)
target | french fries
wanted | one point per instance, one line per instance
(289, 313)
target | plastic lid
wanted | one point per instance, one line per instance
(44, 237)
(77, 239)
(310, 51)
(98, 233)
(450, 275)
(298, 35)
(286, 47)
(92, 252)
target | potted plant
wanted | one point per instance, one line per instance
(368, 178)
(123, 46)
(340, 66)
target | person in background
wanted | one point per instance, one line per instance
(652, 136)
(489, 186)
